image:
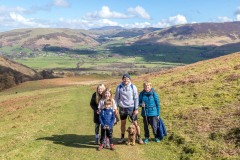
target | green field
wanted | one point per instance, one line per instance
(105, 56)
(55, 122)
(52, 119)
(68, 62)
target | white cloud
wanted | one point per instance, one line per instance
(224, 19)
(137, 25)
(139, 12)
(61, 3)
(86, 24)
(161, 24)
(105, 12)
(238, 17)
(178, 19)
(175, 20)
(6, 10)
(22, 21)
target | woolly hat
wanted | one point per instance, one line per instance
(126, 76)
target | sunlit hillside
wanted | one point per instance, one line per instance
(200, 106)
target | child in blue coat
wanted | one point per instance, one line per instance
(106, 119)
(150, 103)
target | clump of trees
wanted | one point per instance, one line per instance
(7, 80)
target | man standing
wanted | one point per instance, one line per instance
(126, 98)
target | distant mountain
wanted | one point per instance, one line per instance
(109, 28)
(134, 32)
(210, 40)
(38, 38)
(12, 73)
(198, 34)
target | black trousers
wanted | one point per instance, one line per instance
(97, 127)
(108, 133)
(153, 121)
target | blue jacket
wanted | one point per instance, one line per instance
(152, 103)
(107, 117)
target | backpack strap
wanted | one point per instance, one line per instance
(121, 86)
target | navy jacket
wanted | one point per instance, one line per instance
(152, 103)
(94, 106)
(107, 117)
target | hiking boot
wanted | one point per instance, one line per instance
(112, 147)
(121, 141)
(157, 140)
(140, 141)
(146, 140)
(100, 147)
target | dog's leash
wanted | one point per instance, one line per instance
(133, 117)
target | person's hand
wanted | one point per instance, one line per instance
(143, 104)
(135, 112)
(98, 112)
(106, 127)
(157, 117)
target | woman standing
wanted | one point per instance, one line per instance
(96, 97)
(150, 103)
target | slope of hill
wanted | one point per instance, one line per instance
(12, 73)
(198, 34)
(38, 38)
(199, 105)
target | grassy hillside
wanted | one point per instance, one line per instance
(51, 119)
(196, 34)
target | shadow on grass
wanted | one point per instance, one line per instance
(72, 140)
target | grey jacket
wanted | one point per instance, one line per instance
(126, 96)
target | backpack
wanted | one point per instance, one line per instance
(161, 129)
(121, 86)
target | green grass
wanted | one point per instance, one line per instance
(49, 62)
(53, 61)
(14, 49)
(56, 123)
(201, 100)
(199, 106)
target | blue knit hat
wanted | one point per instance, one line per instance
(126, 76)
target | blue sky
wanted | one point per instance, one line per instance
(86, 14)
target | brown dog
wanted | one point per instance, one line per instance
(131, 134)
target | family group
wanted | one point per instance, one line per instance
(107, 109)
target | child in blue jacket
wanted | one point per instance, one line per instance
(106, 119)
